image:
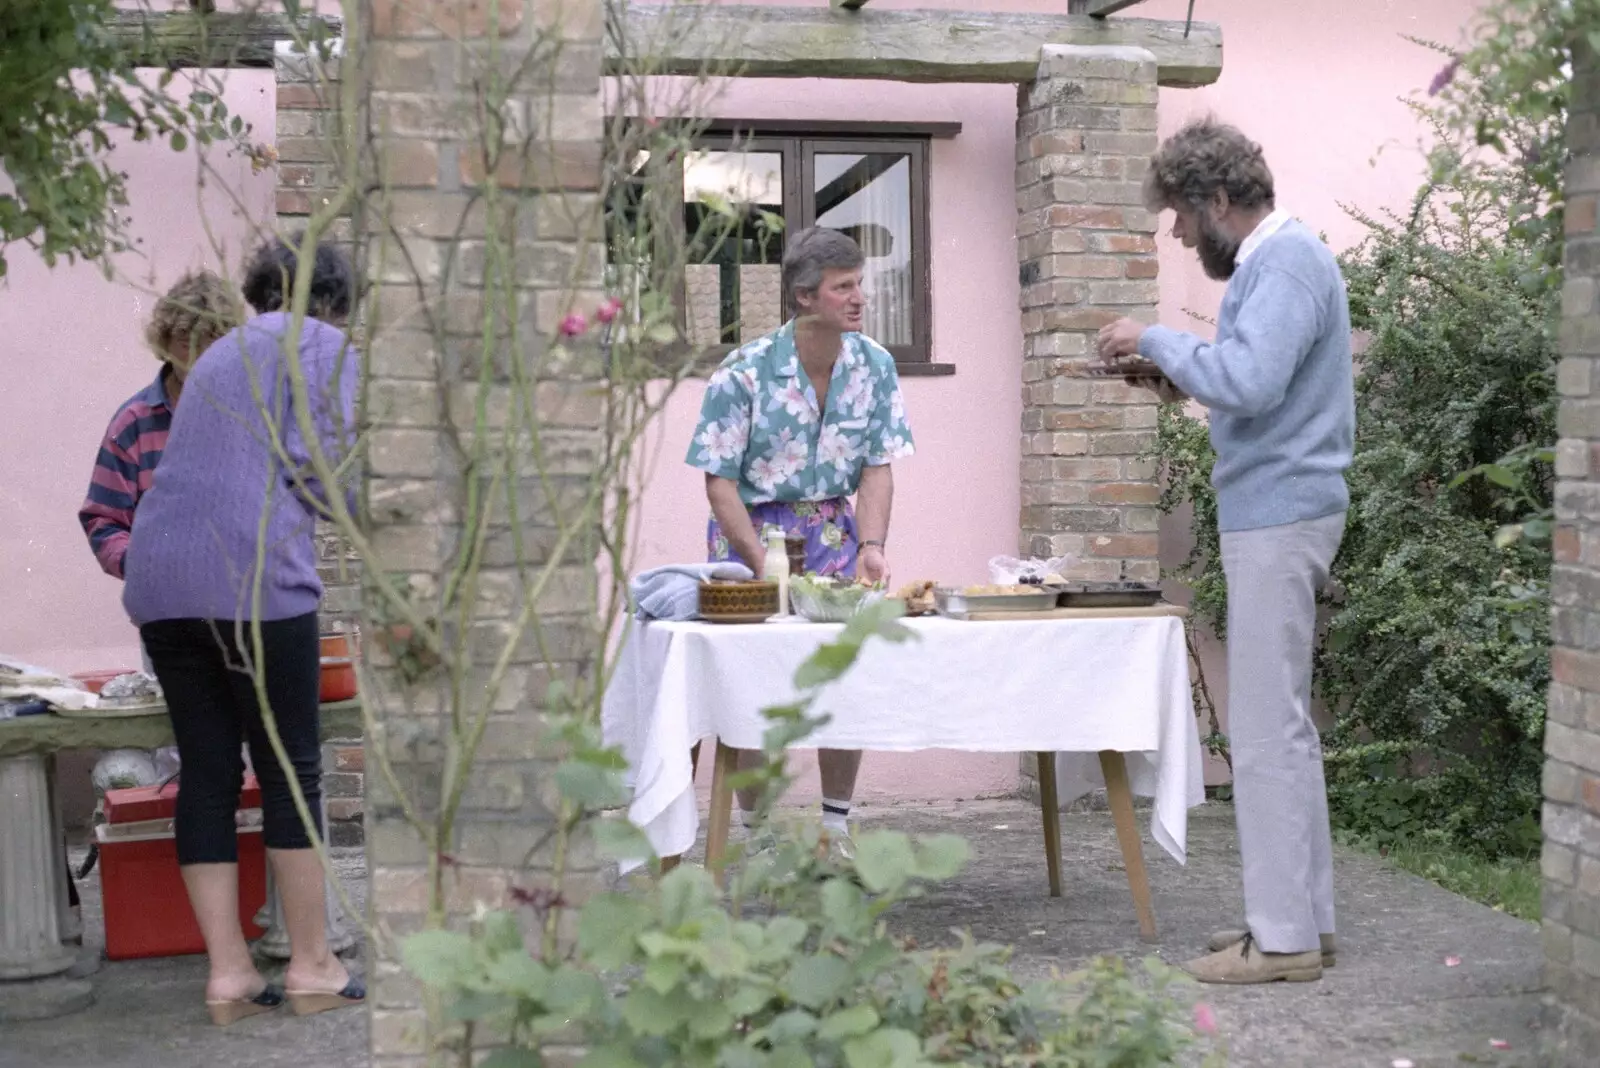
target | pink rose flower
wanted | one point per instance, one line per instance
(1205, 1021)
(608, 310)
(573, 325)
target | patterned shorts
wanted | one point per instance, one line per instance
(829, 527)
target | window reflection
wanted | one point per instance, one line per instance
(869, 197)
(732, 212)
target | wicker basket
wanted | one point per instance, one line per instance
(738, 602)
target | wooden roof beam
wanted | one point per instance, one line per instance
(1100, 8)
(178, 39)
(908, 46)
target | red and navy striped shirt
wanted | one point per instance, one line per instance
(124, 469)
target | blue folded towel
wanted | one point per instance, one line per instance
(673, 592)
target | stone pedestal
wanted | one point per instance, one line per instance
(31, 874)
(275, 943)
(33, 957)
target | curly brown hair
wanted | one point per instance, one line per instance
(200, 307)
(1202, 158)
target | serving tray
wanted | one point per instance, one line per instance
(1107, 595)
(959, 605)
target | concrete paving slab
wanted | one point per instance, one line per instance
(1392, 995)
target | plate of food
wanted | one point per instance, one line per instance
(962, 602)
(1135, 367)
(918, 597)
(830, 598)
(130, 694)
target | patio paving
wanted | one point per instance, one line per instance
(1392, 995)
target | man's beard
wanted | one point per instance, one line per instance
(1218, 252)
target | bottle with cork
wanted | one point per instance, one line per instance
(775, 568)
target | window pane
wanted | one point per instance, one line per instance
(732, 213)
(869, 197)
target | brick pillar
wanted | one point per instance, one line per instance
(1085, 133)
(307, 172)
(432, 70)
(1571, 821)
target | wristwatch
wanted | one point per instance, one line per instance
(870, 542)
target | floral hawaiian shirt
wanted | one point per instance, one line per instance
(760, 427)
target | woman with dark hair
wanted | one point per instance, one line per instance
(270, 274)
(221, 578)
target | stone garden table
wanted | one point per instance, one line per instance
(33, 886)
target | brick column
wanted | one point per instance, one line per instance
(432, 70)
(307, 172)
(1571, 821)
(1085, 133)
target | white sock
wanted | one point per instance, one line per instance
(836, 815)
(748, 818)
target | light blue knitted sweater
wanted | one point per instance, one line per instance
(1278, 381)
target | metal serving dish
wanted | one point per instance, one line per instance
(958, 605)
(1107, 595)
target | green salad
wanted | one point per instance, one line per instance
(830, 598)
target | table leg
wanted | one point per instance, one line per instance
(1050, 807)
(32, 957)
(274, 944)
(727, 762)
(71, 922)
(1120, 796)
(668, 863)
(30, 881)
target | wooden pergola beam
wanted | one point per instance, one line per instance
(907, 46)
(1101, 8)
(177, 39)
(749, 41)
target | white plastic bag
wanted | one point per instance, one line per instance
(1008, 570)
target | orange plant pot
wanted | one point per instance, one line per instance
(338, 679)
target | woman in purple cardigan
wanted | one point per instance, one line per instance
(221, 550)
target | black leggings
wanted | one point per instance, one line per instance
(213, 705)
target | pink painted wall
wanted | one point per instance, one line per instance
(78, 337)
(1318, 85)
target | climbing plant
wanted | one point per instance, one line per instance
(68, 90)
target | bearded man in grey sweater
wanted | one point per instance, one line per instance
(1279, 388)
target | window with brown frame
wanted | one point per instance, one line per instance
(742, 191)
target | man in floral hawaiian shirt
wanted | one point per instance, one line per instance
(792, 425)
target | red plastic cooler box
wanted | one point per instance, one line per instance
(146, 906)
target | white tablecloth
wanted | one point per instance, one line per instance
(1072, 686)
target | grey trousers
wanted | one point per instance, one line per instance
(1279, 796)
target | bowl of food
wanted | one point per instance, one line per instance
(738, 602)
(830, 598)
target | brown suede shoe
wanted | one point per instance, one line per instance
(1243, 963)
(1221, 940)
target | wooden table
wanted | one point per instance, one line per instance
(1106, 690)
(1119, 796)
